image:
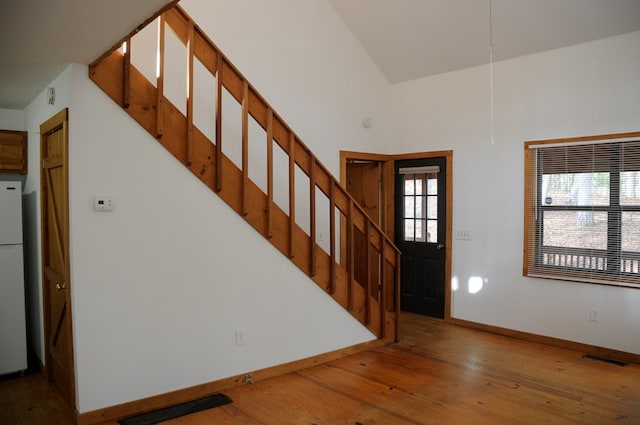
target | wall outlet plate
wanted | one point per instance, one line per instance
(463, 235)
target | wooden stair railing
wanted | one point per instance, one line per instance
(375, 303)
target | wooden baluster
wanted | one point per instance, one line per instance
(245, 147)
(312, 215)
(218, 164)
(126, 84)
(382, 289)
(332, 237)
(367, 264)
(292, 194)
(397, 295)
(160, 78)
(269, 173)
(190, 41)
(350, 255)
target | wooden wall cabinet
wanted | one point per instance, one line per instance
(13, 152)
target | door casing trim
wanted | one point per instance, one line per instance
(388, 195)
(60, 119)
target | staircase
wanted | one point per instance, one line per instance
(328, 260)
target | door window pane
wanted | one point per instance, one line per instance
(432, 208)
(420, 225)
(420, 208)
(409, 206)
(432, 231)
(419, 185)
(409, 229)
(409, 185)
(414, 230)
(420, 200)
(432, 184)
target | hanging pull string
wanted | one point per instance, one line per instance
(491, 67)
(491, 88)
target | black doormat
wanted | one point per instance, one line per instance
(176, 411)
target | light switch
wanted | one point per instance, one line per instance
(463, 235)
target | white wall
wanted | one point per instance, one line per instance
(588, 89)
(309, 67)
(11, 119)
(161, 284)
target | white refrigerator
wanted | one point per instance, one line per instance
(13, 333)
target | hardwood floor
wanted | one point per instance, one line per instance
(28, 400)
(438, 374)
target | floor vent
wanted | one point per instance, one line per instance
(602, 359)
(178, 410)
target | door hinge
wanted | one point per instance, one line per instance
(44, 163)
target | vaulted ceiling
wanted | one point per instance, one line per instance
(407, 39)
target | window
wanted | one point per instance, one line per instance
(582, 209)
(420, 200)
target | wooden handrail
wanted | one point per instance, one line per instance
(368, 301)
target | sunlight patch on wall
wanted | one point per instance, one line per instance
(476, 283)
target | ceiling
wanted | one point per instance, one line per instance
(407, 39)
(39, 38)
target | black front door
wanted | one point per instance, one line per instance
(420, 207)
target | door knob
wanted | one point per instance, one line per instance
(440, 246)
(60, 286)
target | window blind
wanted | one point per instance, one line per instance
(582, 210)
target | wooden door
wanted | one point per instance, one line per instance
(55, 255)
(421, 234)
(363, 183)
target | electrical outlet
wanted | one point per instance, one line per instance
(463, 235)
(239, 337)
(594, 315)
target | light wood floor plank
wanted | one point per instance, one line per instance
(438, 374)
